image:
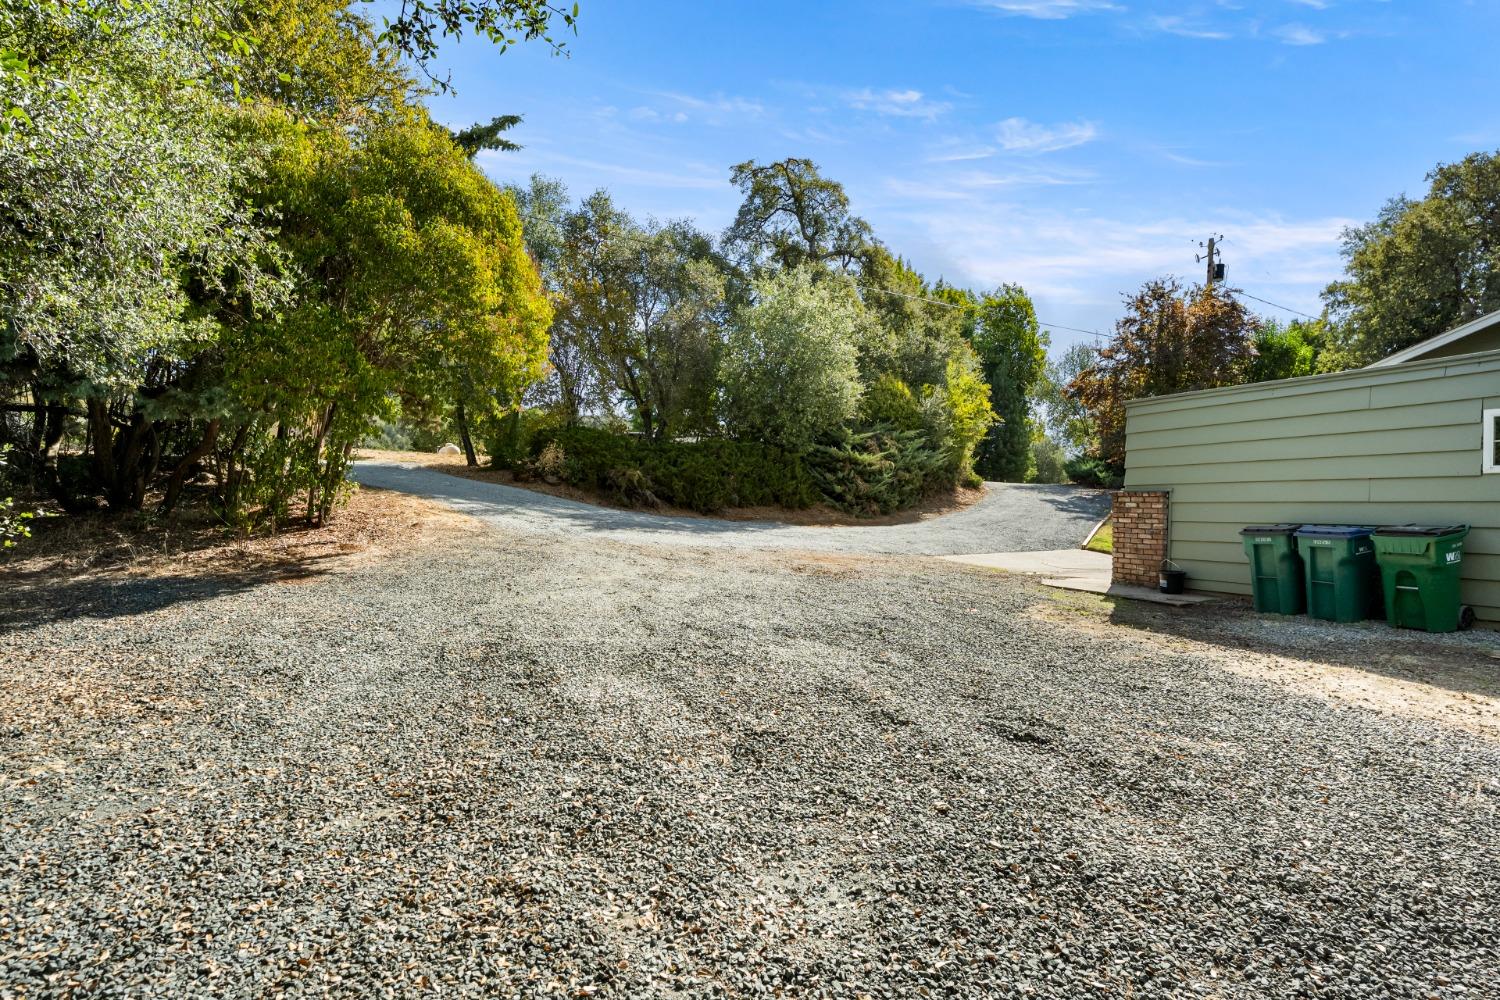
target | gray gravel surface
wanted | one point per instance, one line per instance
(1010, 518)
(541, 766)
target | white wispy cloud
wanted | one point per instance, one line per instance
(1076, 258)
(714, 109)
(547, 160)
(1299, 34)
(1017, 135)
(958, 152)
(1181, 27)
(907, 103)
(1047, 10)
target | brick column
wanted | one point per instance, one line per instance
(1140, 526)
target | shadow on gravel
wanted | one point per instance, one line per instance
(1068, 500)
(32, 599)
(1466, 662)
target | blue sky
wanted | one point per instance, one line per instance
(1078, 147)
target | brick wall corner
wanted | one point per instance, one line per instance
(1139, 518)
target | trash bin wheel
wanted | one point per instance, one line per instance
(1465, 618)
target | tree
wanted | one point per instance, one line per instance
(571, 385)
(793, 217)
(790, 374)
(967, 414)
(412, 280)
(320, 60)
(1013, 354)
(235, 220)
(1047, 459)
(1064, 418)
(1422, 267)
(119, 203)
(12, 522)
(488, 135)
(643, 304)
(1169, 340)
(419, 24)
(1289, 351)
(908, 331)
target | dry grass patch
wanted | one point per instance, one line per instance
(373, 524)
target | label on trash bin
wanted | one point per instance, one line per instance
(1455, 556)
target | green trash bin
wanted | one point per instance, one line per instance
(1275, 568)
(1420, 569)
(1343, 582)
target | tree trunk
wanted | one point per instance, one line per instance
(463, 436)
(233, 473)
(203, 447)
(316, 503)
(134, 465)
(101, 435)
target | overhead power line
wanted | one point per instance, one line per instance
(951, 305)
(1274, 305)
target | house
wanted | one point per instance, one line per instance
(1412, 438)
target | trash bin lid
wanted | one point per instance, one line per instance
(1333, 531)
(1421, 530)
(1270, 529)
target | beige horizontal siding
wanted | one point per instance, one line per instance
(1382, 446)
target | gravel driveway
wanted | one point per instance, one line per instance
(1010, 518)
(546, 765)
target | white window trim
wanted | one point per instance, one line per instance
(1488, 458)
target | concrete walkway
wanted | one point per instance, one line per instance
(1062, 563)
(1074, 569)
(1010, 518)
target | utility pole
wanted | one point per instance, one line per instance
(1215, 269)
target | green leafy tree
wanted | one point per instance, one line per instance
(119, 204)
(1048, 463)
(419, 26)
(1422, 267)
(643, 305)
(967, 413)
(13, 522)
(1065, 420)
(1170, 340)
(790, 373)
(1013, 354)
(792, 217)
(412, 281)
(1287, 351)
(321, 60)
(571, 385)
(488, 135)
(908, 331)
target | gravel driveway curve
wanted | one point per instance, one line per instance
(1010, 518)
(559, 765)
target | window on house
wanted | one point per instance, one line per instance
(1492, 440)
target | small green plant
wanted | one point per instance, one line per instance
(1091, 471)
(12, 522)
(879, 471)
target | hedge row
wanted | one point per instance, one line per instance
(705, 476)
(866, 473)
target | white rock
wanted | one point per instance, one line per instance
(448, 449)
